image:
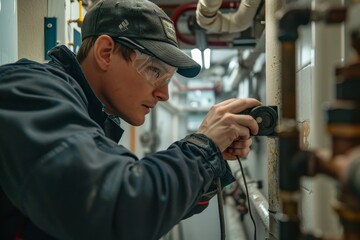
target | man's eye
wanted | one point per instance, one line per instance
(154, 71)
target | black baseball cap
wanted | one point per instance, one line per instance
(144, 26)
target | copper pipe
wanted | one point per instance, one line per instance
(289, 144)
(288, 83)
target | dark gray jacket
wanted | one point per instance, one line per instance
(62, 170)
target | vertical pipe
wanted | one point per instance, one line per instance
(288, 145)
(273, 76)
(288, 131)
(81, 17)
(288, 85)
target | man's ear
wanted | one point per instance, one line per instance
(103, 49)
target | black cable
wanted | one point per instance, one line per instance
(247, 195)
(221, 208)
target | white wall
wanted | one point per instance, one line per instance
(319, 50)
(8, 29)
(31, 16)
(31, 28)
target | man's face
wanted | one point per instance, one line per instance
(128, 93)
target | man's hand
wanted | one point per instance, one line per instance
(229, 130)
(239, 148)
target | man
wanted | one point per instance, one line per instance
(62, 172)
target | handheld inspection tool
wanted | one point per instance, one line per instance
(266, 117)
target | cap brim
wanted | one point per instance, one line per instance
(173, 56)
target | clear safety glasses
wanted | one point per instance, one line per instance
(152, 69)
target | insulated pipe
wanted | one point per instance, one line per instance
(208, 16)
(192, 7)
(255, 53)
(259, 202)
(256, 198)
(273, 94)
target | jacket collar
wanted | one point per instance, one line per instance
(63, 58)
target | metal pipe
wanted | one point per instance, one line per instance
(192, 7)
(257, 199)
(273, 95)
(288, 131)
(210, 18)
(249, 62)
(288, 182)
(288, 83)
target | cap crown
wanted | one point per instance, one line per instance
(142, 23)
(134, 19)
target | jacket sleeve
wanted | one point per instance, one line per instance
(60, 170)
(203, 202)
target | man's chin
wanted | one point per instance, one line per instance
(136, 122)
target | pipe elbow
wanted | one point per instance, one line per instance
(209, 7)
(210, 23)
(231, 22)
(242, 18)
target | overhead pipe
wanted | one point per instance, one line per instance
(191, 7)
(249, 61)
(209, 17)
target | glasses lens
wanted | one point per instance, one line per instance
(153, 70)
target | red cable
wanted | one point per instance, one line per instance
(202, 203)
(20, 229)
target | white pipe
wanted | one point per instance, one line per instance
(273, 97)
(208, 16)
(258, 202)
